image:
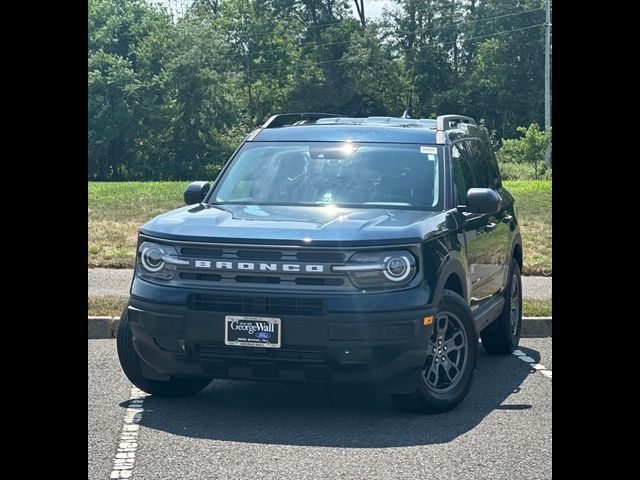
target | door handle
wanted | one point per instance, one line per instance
(490, 227)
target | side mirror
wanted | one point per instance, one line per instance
(195, 192)
(483, 200)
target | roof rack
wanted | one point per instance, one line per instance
(391, 121)
(449, 122)
(440, 124)
(295, 118)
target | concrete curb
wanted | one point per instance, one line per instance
(103, 327)
(107, 327)
(534, 327)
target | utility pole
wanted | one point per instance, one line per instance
(547, 82)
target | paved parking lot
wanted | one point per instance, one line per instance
(237, 429)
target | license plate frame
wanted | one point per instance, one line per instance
(261, 336)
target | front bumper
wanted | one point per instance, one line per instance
(374, 338)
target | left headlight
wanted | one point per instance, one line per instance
(380, 269)
(158, 261)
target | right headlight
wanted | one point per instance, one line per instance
(158, 261)
(380, 269)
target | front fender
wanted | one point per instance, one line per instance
(454, 263)
(444, 256)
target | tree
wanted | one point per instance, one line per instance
(376, 84)
(200, 84)
(528, 149)
(126, 56)
(170, 96)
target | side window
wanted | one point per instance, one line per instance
(462, 175)
(479, 164)
(492, 163)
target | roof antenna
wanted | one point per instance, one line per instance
(408, 111)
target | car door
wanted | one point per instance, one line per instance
(473, 227)
(505, 217)
(493, 235)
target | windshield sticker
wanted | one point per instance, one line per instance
(432, 150)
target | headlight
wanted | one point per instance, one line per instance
(158, 261)
(380, 269)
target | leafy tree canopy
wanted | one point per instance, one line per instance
(171, 96)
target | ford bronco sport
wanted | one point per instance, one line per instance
(332, 249)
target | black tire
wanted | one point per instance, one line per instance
(130, 362)
(499, 338)
(427, 398)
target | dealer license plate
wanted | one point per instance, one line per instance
(252, 331)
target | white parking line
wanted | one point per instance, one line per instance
(532, 363)
(126, 453)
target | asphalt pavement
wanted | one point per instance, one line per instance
(110, 281)
(247, 430)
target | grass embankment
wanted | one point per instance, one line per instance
(117, 210)
(533, 206)
(107, 305)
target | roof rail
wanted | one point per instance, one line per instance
(448, 122)
(292, 118)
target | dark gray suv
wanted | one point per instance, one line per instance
(332, 249)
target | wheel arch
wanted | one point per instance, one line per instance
(452, 275)
(516, 252)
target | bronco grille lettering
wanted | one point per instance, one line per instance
(258, 267)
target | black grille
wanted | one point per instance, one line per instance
(256, 305)
(319, 281)
(253, 353)
(258, 255)
(202, 252)
(320, 257)
(200, 276)
(256, 279)
(277, 278)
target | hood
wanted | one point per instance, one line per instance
(289, 224)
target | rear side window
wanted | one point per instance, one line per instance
(479, 164)
(462, 174)
(492, 163)
(484, 165)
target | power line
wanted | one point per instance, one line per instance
(422, 31)
(318, 25)
(495, 34)
(434, 29)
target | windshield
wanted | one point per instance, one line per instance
(321, 173)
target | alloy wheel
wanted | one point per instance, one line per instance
(446, 353)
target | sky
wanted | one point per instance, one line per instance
(372, 8)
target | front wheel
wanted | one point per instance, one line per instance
(450, 360)
(130, 363)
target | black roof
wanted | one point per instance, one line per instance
(346, 132)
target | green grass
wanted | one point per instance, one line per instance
(523, 171)
(117, 210)
(107, 305)
(533, 207)
(536, 308)
(112, 305)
